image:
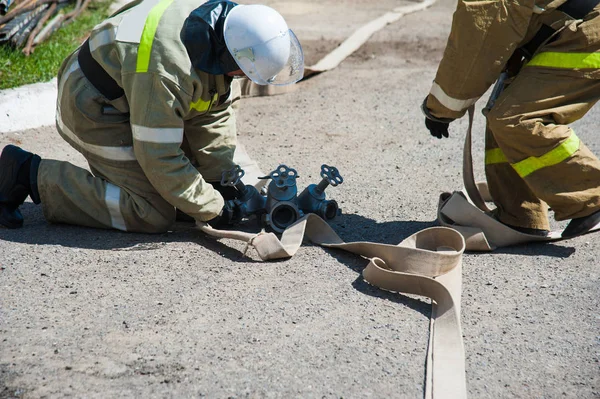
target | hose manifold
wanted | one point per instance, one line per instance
(281, 206)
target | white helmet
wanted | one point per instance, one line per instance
(259, 40)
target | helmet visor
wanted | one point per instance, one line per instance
(293, 70)
(279, 61)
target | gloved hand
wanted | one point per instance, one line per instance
(230, 215)
(437, 129)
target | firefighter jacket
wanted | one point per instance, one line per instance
(170, 60)
(483, 37)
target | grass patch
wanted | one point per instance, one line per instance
(42, 65)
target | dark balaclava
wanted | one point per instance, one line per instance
(202, 35)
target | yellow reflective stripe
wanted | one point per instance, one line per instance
(495, 155)
(145, 48)
(203, 106)
(553, 157)
(566, 60)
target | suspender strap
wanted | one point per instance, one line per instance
(97, 75)
(578, 8)
(542, 35)
(574, 8)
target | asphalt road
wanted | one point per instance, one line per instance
(94, 313)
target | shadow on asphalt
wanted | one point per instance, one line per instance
(358, 228)
(354, 227)
(37, 231)
(537, 249)
(350, 227)
(358, 263)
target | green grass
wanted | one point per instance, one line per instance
(42, 65)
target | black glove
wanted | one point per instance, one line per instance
(228, 192)
(437, 129)
(230, 214)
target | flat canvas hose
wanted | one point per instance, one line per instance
(428, 263)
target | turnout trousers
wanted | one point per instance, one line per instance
(534, 160)
(115, 193)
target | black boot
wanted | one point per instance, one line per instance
(529, 230)
(581, 225)
(525, 230)
(18, 179)
(183, 217)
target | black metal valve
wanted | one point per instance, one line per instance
(330, 175)
(313, 198)
(282, 208)
(283, 176)
(233, 178)
(248, 199)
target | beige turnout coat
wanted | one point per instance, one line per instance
(153, 149)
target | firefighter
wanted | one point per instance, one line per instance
(149, 100)
(533, 159)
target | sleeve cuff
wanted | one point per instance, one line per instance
(428, 115)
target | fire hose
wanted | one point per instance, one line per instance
(428, 263)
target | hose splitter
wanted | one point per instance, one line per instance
(282, 206)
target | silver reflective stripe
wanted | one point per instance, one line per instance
(112, 199)
(164, 135)
(132, 25)
(63, 79)
(112, 153)
(102, 38)
(453, 104)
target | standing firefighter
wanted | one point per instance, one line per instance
(149, 101)
(533, 158)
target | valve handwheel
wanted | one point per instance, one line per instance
(232, 177)
(284, 176)
(331, 175)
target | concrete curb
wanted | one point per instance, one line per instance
(32, 106)
(28, 106)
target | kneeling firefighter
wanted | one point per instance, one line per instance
(149, 100)
(533, 158)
